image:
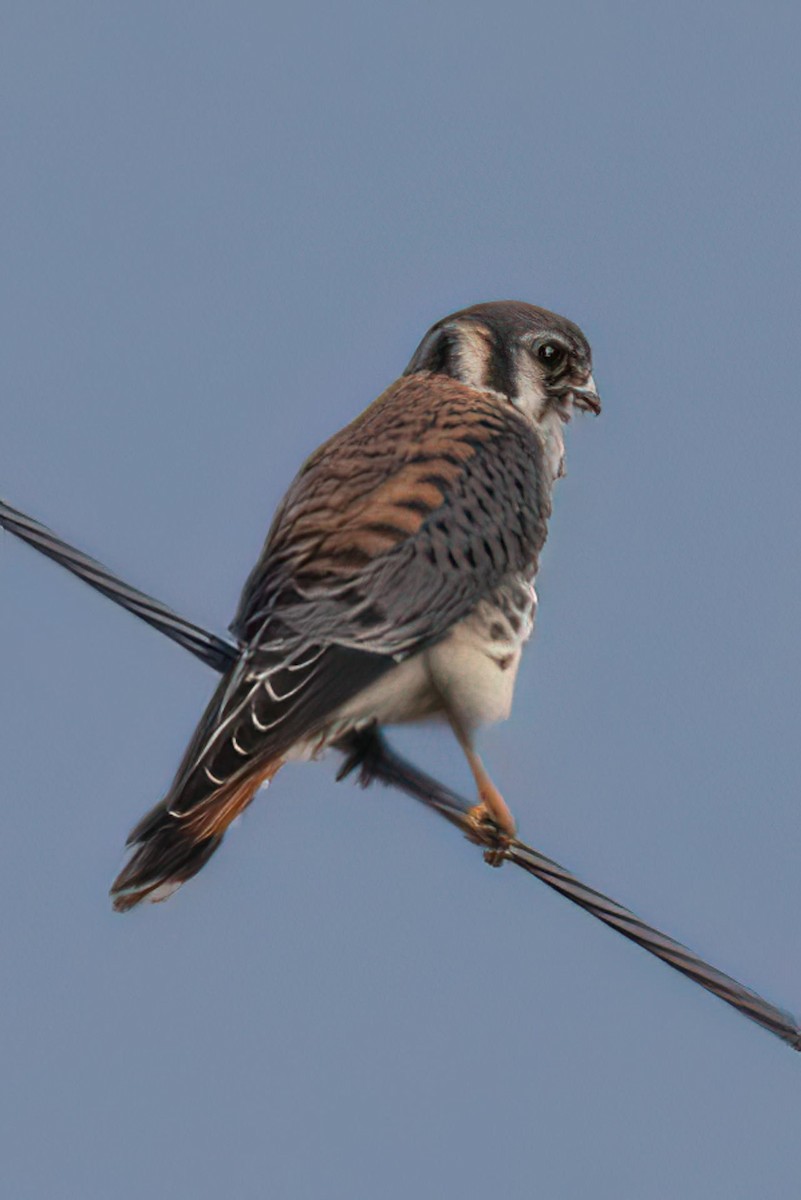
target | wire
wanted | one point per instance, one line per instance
(369, 753)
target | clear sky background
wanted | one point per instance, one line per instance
(226, 226)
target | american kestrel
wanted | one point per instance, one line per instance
(396, 582)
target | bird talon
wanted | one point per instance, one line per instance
(486, 832)
(349, 763)
(362, 750)
(496, 856)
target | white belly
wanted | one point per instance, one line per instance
(470, 674)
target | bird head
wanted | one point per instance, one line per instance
(538, 361)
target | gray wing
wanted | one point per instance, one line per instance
(384, 546)
(390, 535)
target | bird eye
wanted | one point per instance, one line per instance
(551, 354)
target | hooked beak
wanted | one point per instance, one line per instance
(587, 397)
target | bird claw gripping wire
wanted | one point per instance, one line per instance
(367, 752)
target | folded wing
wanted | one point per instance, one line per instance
(389, 535)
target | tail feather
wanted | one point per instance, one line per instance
(160, 865)
(170, 847)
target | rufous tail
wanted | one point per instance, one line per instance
(170, 846)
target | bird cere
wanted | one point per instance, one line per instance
(396, 582)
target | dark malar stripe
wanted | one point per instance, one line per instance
(500, 368)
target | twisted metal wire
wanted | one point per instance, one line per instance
(374, 759)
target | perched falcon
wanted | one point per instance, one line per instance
(396, 582)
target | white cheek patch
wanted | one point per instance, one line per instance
(473, 350)
(531, 395)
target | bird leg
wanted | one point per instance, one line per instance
(491, 816)
(367, 752)
(494, 825)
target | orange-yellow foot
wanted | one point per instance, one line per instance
(488, 832)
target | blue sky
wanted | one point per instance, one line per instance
(226, 229)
